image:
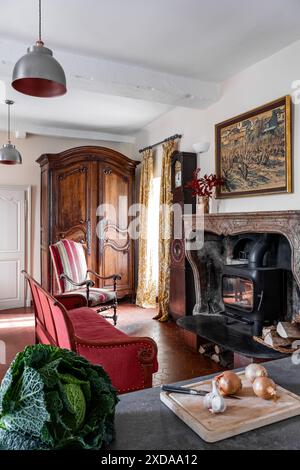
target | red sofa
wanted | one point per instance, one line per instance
(65, 321)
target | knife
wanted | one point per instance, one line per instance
(189, 391)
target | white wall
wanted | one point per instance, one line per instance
(267, 80)
(29, 174)
(189, 122)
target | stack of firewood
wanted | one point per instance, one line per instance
(218, 354)
(283, 335)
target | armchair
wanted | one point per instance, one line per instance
(73, 276)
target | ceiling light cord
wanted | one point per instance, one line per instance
(8, 125)
(40, 20)
(9, 104)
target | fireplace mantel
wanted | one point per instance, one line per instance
(286, 223)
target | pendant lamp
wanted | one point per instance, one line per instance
(9, 155)
(38, 73)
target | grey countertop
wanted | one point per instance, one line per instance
(143, 422)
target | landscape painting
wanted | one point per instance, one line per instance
(254, 151)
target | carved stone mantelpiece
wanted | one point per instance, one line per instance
(286, 223)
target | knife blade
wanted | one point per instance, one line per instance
(189, 391)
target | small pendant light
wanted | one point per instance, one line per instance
(9, 155)
(37, 73)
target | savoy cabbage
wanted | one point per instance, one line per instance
(51, 398)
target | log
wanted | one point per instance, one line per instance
(225, 360)
(206, 348)
(288, 330)
(216, 358)
(267, 329)
(219, 349)
(274, 340)
(296, 319)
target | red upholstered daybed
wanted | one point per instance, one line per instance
(66, 322)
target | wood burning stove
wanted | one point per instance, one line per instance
(254, 292)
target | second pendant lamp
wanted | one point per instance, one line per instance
(38, 73)
(9, 155)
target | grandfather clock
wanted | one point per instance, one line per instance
(182, 294)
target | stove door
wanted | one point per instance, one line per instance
(238, 293)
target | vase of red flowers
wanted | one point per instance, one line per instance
(203, 188)
(204, 203)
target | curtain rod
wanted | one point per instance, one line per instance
(173, 137)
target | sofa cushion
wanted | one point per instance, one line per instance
(89, 325)
(98, 296)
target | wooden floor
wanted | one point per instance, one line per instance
(176, 361)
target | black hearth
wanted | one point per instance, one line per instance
(254, 291)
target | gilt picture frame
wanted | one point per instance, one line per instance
(254, 151)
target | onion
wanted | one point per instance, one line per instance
(255, 370)
(265, 388)
(229, 383)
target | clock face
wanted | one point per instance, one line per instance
(178, 174)
(177, 251)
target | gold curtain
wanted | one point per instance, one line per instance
(165, 227)
(146, 291)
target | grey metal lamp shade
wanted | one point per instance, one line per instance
(9, 155)
(39, 74)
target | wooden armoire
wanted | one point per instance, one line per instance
(85, 196)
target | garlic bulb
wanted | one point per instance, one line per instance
(218, 404)
(207, 400)
(253, 371)
(214, 400)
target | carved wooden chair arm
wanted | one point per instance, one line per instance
(115, 277)
(86, 282)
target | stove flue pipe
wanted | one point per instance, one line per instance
(256, 256)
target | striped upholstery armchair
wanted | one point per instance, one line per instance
(73, 276)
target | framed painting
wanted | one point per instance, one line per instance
(254, 151)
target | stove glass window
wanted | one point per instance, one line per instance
(238, 292)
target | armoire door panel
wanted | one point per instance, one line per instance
(116, 262)
(116, 194)
(116, 241)
(71, 196)
(72, 193)
(116, 237)
(76, 233)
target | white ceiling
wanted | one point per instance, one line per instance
(170, 41)
(87, 111)
(207, 39)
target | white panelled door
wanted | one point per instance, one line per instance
(12, 247)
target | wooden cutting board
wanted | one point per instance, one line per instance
(246, 414)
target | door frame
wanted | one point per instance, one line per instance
(28, 233)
